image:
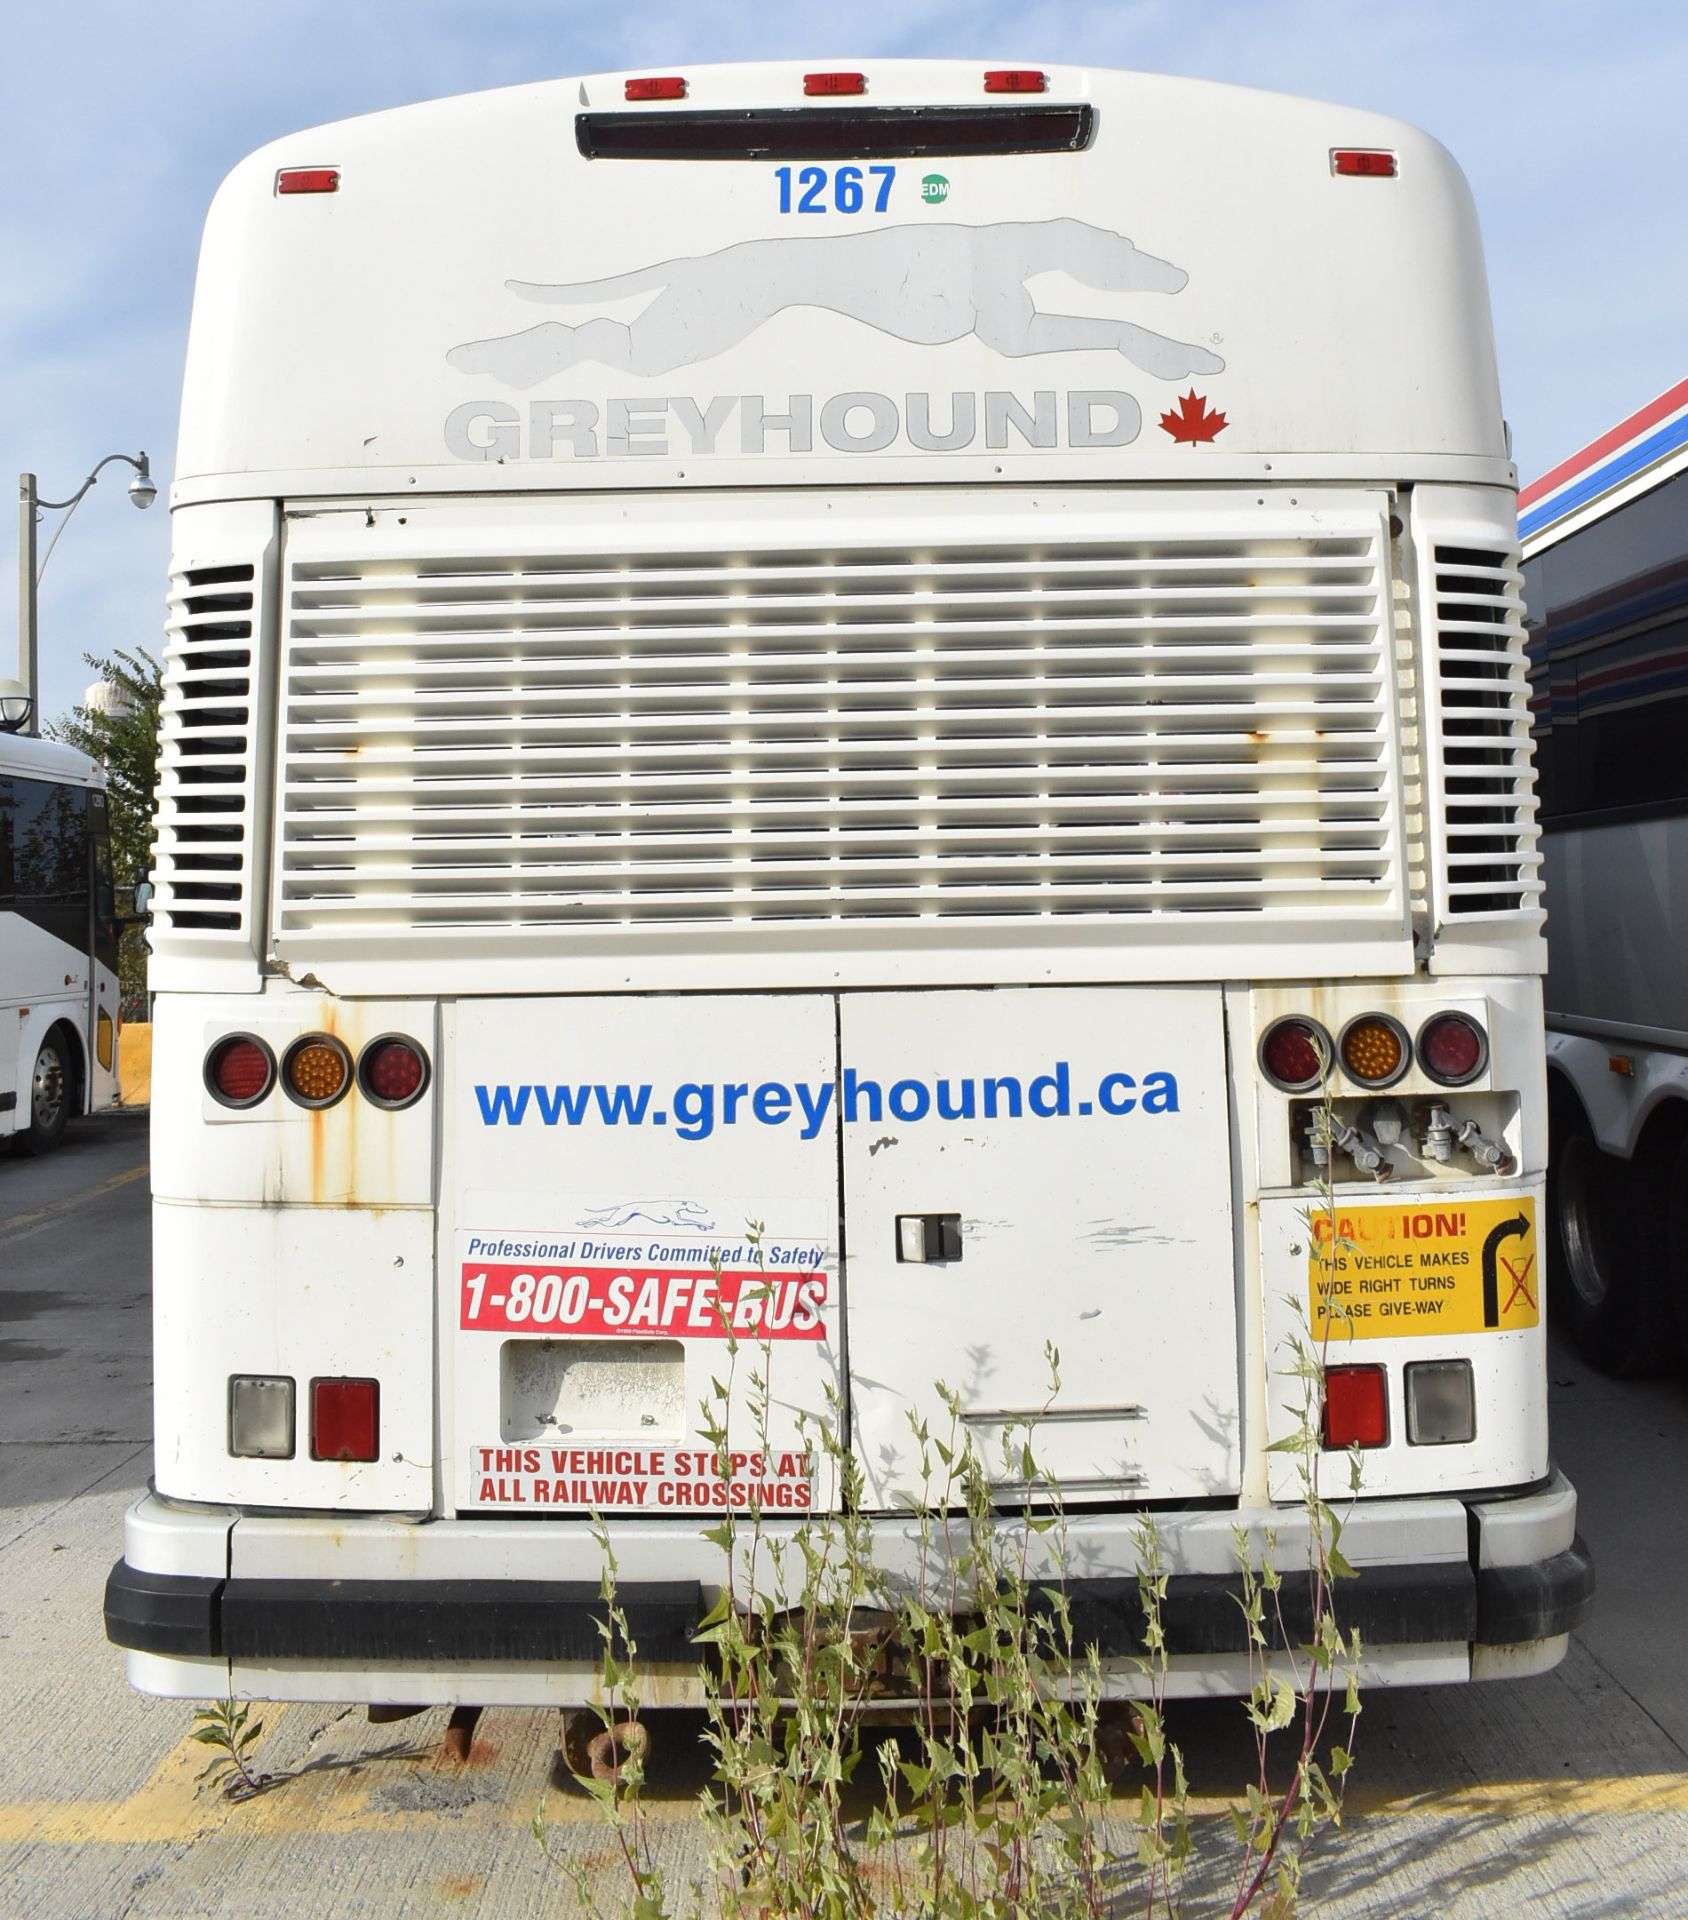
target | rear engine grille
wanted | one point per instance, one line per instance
(202, 869)
(1492, 864)
(1098, 718)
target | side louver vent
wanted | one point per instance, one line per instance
(1482, 701)
(205, 803)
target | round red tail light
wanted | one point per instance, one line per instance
(239, 1071)
(1295, 1054)
(393, 1071)
(1452, 1048)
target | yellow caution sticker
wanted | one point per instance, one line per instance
(1394, 1272)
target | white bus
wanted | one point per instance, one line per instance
(58, 942)
(892, 655)
(1606, 579)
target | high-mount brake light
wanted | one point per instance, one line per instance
(1356, 1407)
(1016, 80)
(1363, 163)
(308, 180)
(1452, 1049)
(664, 86)
(1374, 1050)
(239, 1070)
(345, 1419)
(316, 1071)
(1295, 1054)
(816, 84)
(393, 1071)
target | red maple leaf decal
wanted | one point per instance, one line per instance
(1193, 422)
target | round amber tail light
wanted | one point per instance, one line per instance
(1375, 1050)
(393, 1071)
(316, 1071)
(1295, 1054)
(1452, 1048)
(239, 1070)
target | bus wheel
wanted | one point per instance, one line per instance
(49, 1094)
(1607, 1292)
(1672, 1238)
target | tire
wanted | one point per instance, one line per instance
(1670, 1199)
(1608, 1280)
(50, 1092)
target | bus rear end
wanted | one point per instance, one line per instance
(872, 718)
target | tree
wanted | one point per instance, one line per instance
(123, 736)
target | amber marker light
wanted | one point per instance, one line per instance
(316, 1071)
(1374, 1050)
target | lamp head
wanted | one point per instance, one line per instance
(142, 489)
(15, 705)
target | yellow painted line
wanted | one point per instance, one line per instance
(346, 1798)
(75, 1200)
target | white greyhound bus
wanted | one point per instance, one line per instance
(812, 699)
(58, 942)
(1606, 579)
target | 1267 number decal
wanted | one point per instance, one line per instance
(834, 189)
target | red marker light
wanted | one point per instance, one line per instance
(239, 1071)
(1016, 80)
(1363, 163)
(393, 1071)
(1295, 1054)
(345, 1422)
(1356, 1407)
(816, 83)
(1452, 1049)
(668, 86)
(308, 180)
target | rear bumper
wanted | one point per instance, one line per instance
(378, 1609)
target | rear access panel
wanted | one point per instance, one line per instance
(1060, 1157)
(624, 1177)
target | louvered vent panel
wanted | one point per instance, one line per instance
(203, 854)
(1482, 694)
(957, 732)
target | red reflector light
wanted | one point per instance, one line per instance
(814, 83)
(308, 180)
(1452, 1049)
(1362, 163)
(668, 86)
(1015, 80)
(239, 1071)
(1356, 1407)
(393, 1071)
(345, 1421)
(1295, 1054)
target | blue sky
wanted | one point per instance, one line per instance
(117, 122)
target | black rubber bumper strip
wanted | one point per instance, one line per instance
(1537, 1601)
(388, 1622)
(162, 1612)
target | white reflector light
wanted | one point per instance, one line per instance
(260, 1417)
(1441, 1403)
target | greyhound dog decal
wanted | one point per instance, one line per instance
(925, 284)
(654, 1213)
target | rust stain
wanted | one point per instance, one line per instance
(460, 1886)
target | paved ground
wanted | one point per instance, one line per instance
(1568, 1793)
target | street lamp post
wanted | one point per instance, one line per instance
(30, 504)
